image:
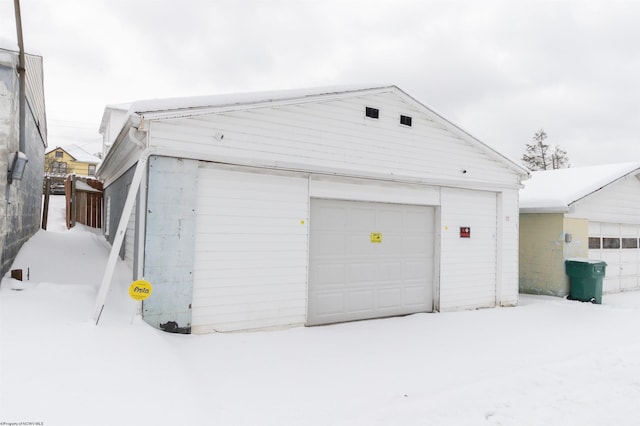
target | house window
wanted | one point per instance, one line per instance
(629, 243)
(372, 112)
(610, 243)
(92, 170)
(405, 120)
(59, 154)
(595, 243)
(59, 167)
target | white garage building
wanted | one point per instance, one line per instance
(581, 212)
(308, 207)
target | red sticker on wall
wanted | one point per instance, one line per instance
(465, 232)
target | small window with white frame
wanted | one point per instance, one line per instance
(611, 243)
(595, 243)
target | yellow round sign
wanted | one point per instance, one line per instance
(140, 289)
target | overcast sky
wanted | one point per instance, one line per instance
(499, 70)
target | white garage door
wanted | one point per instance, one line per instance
(616, 244)
(369, 260)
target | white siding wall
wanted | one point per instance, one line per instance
(35, 92)
(617, 203)
(335, 135)
(251, 250)
(369, 190)
(468, 266)
(129, 238)
(508, 220)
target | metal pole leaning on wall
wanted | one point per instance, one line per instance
(120, 233)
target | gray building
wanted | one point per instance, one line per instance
(20, 205)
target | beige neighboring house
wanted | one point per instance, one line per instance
(582, 212)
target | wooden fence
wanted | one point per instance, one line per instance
(84, 201)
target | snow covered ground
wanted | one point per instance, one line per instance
(549, 361)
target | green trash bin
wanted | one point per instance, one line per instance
(585, 279)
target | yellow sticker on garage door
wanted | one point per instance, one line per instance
(140, 289)
(376, 237)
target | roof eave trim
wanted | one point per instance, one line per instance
(554, 209)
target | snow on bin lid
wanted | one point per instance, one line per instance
(583, 260)
(555, 190)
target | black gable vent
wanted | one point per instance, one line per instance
(405, 120)
(372, 112)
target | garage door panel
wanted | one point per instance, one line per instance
(628, 283)
(360, 219)
(362, 272)
(389, 219)
(331, 218)
(329, 244)
(329, 304)
(391, 277)
(413, 293)
(392, 245)
(416, 246)
(620, 252)
(360, 301)
(610, 285)
(628, 230)
(415, 221)
(390, 297)
(330, 274)
(389, 270)
(360, 244)
(416, 271)
(613, 229)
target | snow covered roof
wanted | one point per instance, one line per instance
(236, 99)
(555, 190)
(78, 154)
(82, 186)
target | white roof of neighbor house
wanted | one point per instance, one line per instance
(79, 154)
(555, 190)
